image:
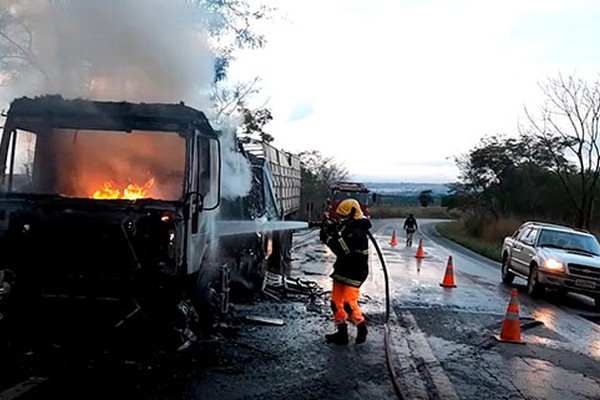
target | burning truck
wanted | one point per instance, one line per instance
(114, 208)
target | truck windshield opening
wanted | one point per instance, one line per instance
(97, 164)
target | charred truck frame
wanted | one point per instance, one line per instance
(114, 205)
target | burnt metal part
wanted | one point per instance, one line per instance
(86, 114)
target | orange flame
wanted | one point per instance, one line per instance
(131, 192)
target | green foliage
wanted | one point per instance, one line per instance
(509, 176)
(318, 172)
(549, 173)
(253, 124)
(425, 198)
(231, 22)
(455, 232)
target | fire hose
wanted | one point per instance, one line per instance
(386, 327)
(330, 224)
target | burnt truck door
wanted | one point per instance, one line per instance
(203, 197)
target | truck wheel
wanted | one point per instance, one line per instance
(507, 276)
(534, 287)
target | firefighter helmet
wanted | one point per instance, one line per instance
(344, 209)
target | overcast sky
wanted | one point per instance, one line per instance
(395, 89)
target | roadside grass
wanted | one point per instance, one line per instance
(456, 232)
(483, 234)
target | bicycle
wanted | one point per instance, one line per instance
(409, 237)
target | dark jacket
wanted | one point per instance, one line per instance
(352, 250)
(410, 223)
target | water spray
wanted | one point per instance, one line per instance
(240, 227)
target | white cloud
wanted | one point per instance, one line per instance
(412, 81)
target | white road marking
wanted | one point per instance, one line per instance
(411, 346)
(411, 338)
(21, 388)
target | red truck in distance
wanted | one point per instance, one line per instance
(345, 190)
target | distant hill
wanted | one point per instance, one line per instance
(406, 188)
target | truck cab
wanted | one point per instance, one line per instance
(104, 203)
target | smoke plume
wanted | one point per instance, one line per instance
(135, 50)
(122, 50)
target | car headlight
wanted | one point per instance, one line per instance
(553, 265)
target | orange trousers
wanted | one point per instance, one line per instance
(344, 303)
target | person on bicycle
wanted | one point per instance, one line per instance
(410, 226)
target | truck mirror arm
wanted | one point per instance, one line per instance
(199, 200)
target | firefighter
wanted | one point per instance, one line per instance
(348, 240)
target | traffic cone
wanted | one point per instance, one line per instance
(448, 280)
(394, 241)
(511, 326)
(420, 252)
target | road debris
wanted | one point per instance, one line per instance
(277, 284)
(264, 320)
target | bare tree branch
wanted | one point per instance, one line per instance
(568, 125)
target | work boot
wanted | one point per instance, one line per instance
(340, 337)
(361, 332)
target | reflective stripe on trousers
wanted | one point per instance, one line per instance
(345, 295)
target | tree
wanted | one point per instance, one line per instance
(504, 175)
(425, 198)
(317, 174)
(486, 170)
(567, 125)
(253, 124)
(230, 23)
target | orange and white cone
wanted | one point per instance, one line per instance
(420, 252)
(511, 326)
(448, 280)
(394, 241)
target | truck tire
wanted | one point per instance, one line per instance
(534, 287)
(507, 276)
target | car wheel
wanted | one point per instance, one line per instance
(534, 287)
(507, 276)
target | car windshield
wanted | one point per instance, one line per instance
(569, 241)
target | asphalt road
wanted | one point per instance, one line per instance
(444, 339)
(441, 339)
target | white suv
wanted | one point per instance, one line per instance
(556, 256)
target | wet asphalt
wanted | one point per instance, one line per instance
(441, 339)
(444, 335)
